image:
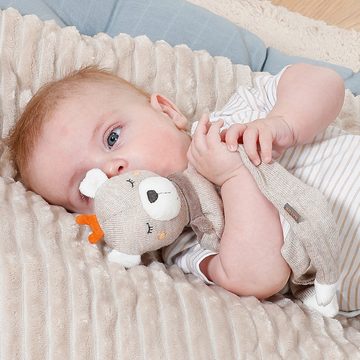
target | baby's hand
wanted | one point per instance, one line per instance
(263, 139)
(210, 156)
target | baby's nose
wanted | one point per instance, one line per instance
(115, 168)
(116, 171)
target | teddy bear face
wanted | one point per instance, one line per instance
(140, 211)
(159, 198)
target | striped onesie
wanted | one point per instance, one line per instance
(331, 163)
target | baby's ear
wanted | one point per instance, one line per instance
(163, 104)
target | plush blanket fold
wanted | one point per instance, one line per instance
(60, 298)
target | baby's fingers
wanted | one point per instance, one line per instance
(265, 142)
(199, 136)
(213, 135)
(250, 141)
(203, 124)
(233, 135)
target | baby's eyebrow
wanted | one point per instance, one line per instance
(98, 127)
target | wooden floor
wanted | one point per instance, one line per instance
(342, 13)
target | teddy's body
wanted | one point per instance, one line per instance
(205, 208)
(141, 211)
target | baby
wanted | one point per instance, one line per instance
(93, 119)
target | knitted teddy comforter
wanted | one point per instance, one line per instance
(61, 299)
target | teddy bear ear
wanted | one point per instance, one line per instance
(93, 180)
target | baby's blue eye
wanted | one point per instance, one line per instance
(113, 137)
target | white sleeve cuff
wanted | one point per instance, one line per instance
(190, 259)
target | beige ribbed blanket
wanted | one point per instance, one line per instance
(59, 297)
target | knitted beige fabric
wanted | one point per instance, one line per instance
(140, 211)
(133, 224)
(311, 247)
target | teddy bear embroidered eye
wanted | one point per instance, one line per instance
(140, 211)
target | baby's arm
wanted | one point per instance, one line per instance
(309, 98)
(249, 261)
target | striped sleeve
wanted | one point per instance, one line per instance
(187, 253)
(189, 261)
(250, 103)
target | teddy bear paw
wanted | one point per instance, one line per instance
(325, 292)
(329, 310)
(123, 259)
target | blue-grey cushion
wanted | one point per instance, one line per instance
(176, 22)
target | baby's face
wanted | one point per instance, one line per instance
(109, 128)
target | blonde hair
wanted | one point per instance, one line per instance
(23, 136)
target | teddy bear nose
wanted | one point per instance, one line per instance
(152, 195)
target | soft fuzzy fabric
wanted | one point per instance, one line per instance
(60, 299)
(290, 32)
